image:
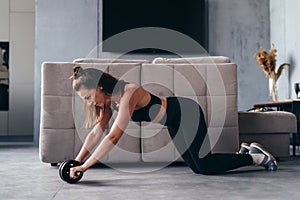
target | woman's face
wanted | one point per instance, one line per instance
(93, 96)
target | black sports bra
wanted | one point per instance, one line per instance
(149, 112)
(146, 113)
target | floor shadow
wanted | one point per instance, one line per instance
(105, 183)
(94, 183)
(247, 171)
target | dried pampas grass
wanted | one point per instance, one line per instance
(267, 61)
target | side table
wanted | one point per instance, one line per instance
(289, 105)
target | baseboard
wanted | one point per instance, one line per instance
(16, 139)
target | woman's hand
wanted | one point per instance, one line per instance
(73, 171)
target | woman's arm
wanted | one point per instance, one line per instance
(106, 145)
(90, 142)
(94, 136)
(126, 108)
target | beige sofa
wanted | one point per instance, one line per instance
(212, 81)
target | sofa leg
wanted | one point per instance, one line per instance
(294, 144)
(53, 164)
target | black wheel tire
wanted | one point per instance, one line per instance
(64, 171)
(60, 169)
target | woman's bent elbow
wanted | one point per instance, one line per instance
(113, 139)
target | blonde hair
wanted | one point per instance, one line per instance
(92, 78)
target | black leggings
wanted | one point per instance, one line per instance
(187, 128)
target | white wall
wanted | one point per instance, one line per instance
(4, 20)
(18, 16)
(285, 33)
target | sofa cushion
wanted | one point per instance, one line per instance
(103, 60)
(156, 144)
(204, 59)
(56, 145)
(158, 79)
(57, 112)
(267, 122)
(55, 78)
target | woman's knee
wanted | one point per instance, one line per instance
(204, 170)
(205, 167)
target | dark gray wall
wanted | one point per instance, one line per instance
(68, 29)
(238, 28)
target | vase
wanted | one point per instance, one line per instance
(273, 87)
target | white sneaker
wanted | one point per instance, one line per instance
(245, 148)
(267, 160)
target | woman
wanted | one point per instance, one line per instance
(183, 117)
